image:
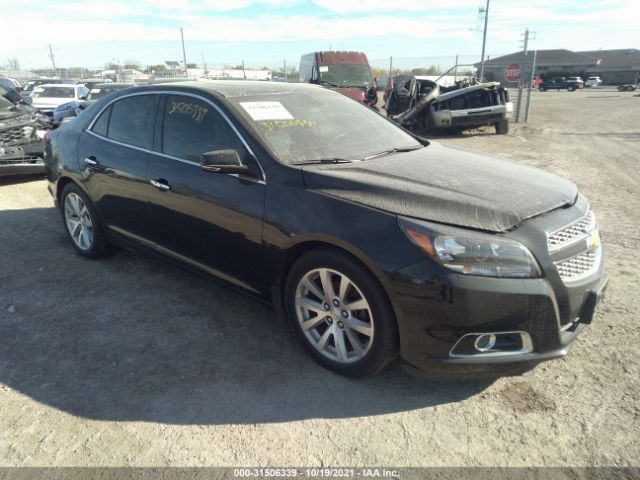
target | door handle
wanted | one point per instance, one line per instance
(160, 184)
(91, 161)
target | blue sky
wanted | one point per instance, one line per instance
(264, 32)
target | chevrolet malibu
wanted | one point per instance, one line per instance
(372, 242)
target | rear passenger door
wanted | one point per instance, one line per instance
(114, 154)
(212, 221)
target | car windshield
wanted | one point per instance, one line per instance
(346, 75)
(304, 125)
(29, 86)
(53, 92)
(100, 92)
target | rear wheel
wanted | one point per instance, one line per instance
(340, 313)
(82, 223)
(502, 127)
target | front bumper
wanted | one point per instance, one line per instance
(470, 117)
(22, 159)
(59, 115)
(441, 313)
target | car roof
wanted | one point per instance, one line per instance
(63, 85)
(241, 88)
(112, 84)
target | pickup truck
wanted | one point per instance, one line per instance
(557, 83)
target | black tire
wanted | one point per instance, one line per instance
(571, 89)
(99, 245)
(384, 345)
(543, 89)
(502, 127)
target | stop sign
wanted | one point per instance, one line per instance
(512, 72)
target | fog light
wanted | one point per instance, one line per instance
(484, 343)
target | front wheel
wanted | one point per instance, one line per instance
(502, 127)
(340, 313)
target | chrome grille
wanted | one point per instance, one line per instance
(580, 266)
(15, 135)
(571, 233)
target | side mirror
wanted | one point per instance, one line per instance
(84, 97)
(223, 161)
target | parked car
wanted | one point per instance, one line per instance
(97, 92)
(22, 129)
(371, 241)
(36, 82)
(557, 83)
(346, 72)
(628, 87)
(422, 105)
(11, 83)
(90, 83)
(577, 81)
(593, 82)
(58, 100)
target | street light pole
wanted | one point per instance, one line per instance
(484, 39)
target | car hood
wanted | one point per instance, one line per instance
(446, 185)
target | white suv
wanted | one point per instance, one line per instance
(577, 81)
(593, 82)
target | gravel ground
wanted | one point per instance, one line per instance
(129, 361)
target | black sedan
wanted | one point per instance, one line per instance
(371, 241)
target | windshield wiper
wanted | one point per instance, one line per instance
(324, 82)
(393, 150)
(322, 160)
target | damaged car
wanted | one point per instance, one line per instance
(22, 129)
(419, 104)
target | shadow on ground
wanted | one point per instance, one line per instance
(16, 179)
(130, 338)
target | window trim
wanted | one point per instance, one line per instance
(89, 129)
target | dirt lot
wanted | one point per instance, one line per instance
(129, 361)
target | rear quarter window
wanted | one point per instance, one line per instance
(132, 120)
(102, 123)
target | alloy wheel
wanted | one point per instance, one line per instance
(334, 315)
(78, 221)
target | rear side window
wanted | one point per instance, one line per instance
(192, 127)
(100, 127)
(132, 120)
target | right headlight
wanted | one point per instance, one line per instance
(473, 253)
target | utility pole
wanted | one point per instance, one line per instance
(53, 59)
(244, 74)
(455, 71)
(285, 70)
(204, 66)
(533, 69)
(184, 54)
(522, 65)
(484, 37)
(390, 67)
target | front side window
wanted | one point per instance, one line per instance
(132, 120)
(192, 127)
